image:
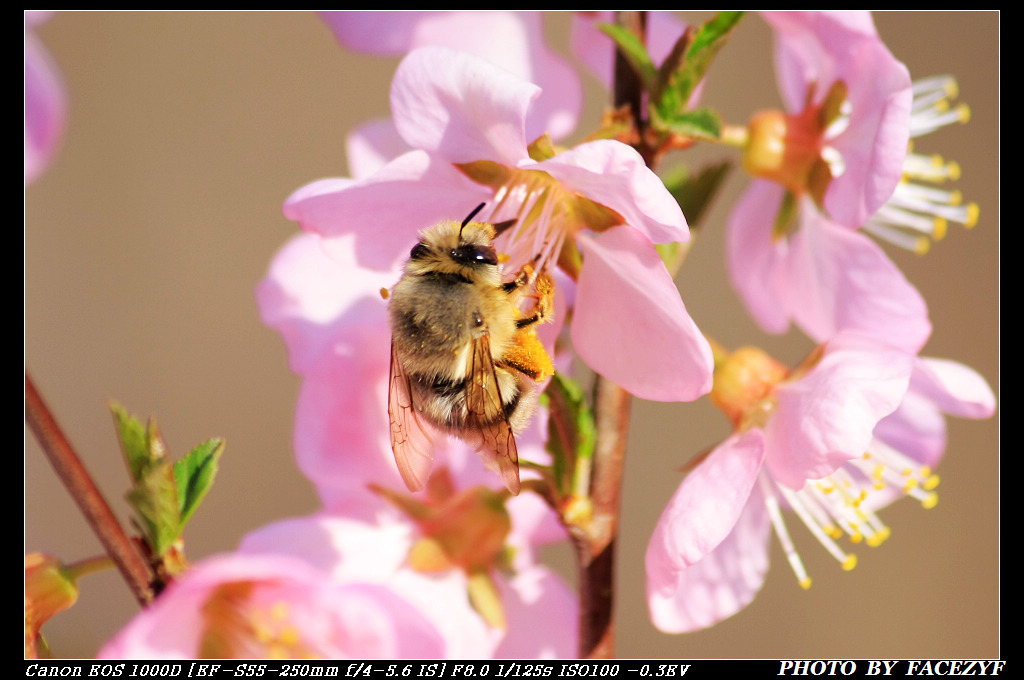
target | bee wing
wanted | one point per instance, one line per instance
(486, 416)
(411, 439)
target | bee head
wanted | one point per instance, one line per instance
(452, 246)
(474, 247)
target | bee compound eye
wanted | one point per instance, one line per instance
(485, 255)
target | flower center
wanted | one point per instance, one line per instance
(792, 149)
(546, 215)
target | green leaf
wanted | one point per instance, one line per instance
(571, 431)
(634, 51)
(131, 434)
(155, 501)
(676, 88)
(194, 476)
(695, 192)
(699, 123)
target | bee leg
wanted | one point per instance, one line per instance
(544, 294)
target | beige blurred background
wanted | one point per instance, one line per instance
(147, 235)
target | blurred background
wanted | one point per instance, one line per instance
(161, 210)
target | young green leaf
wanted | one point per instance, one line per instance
(634, 51)
(132, 436)
(194, 475)
(675, 86)
(155, 501)
(699, 123)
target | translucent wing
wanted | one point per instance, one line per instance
(411, 439)
(486, 417)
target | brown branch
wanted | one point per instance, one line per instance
(84, 491)
(596, 550)
(595, 545)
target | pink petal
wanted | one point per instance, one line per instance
(842, 280)
(615, 175)
(513, 41)
(827, 417)
(816, 49)
(430, 189)
(45, 104)
(874, 145)
(823, 277)
(705, 507)
(954, 388)
(630, 324)
(917, 430)
(810, 47)
(460, 106)
(709, 553)
(351, 620)
(341, 437)
(373, 145)
(542, 614)
(375, 549)
(317, 302)
(757, 263)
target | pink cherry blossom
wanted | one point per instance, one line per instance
(540, 610)
(513, 41)
(822, 277)
(813, 51)
(260, 606)
(708, 555)
(45, 101)
(465, 120)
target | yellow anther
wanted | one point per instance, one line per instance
(909, 486)
(850, 562)
(963, 112)
(856, 538)
(805, 583)
(930, 482)
(922, 245)
(951, 88)
(939, 228)
(953, 170)
(972, 215)
(930, 501)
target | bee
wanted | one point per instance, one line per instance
(464, 356)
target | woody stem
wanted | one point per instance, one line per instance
(86, 494)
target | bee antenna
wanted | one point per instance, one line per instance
(472, 214)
